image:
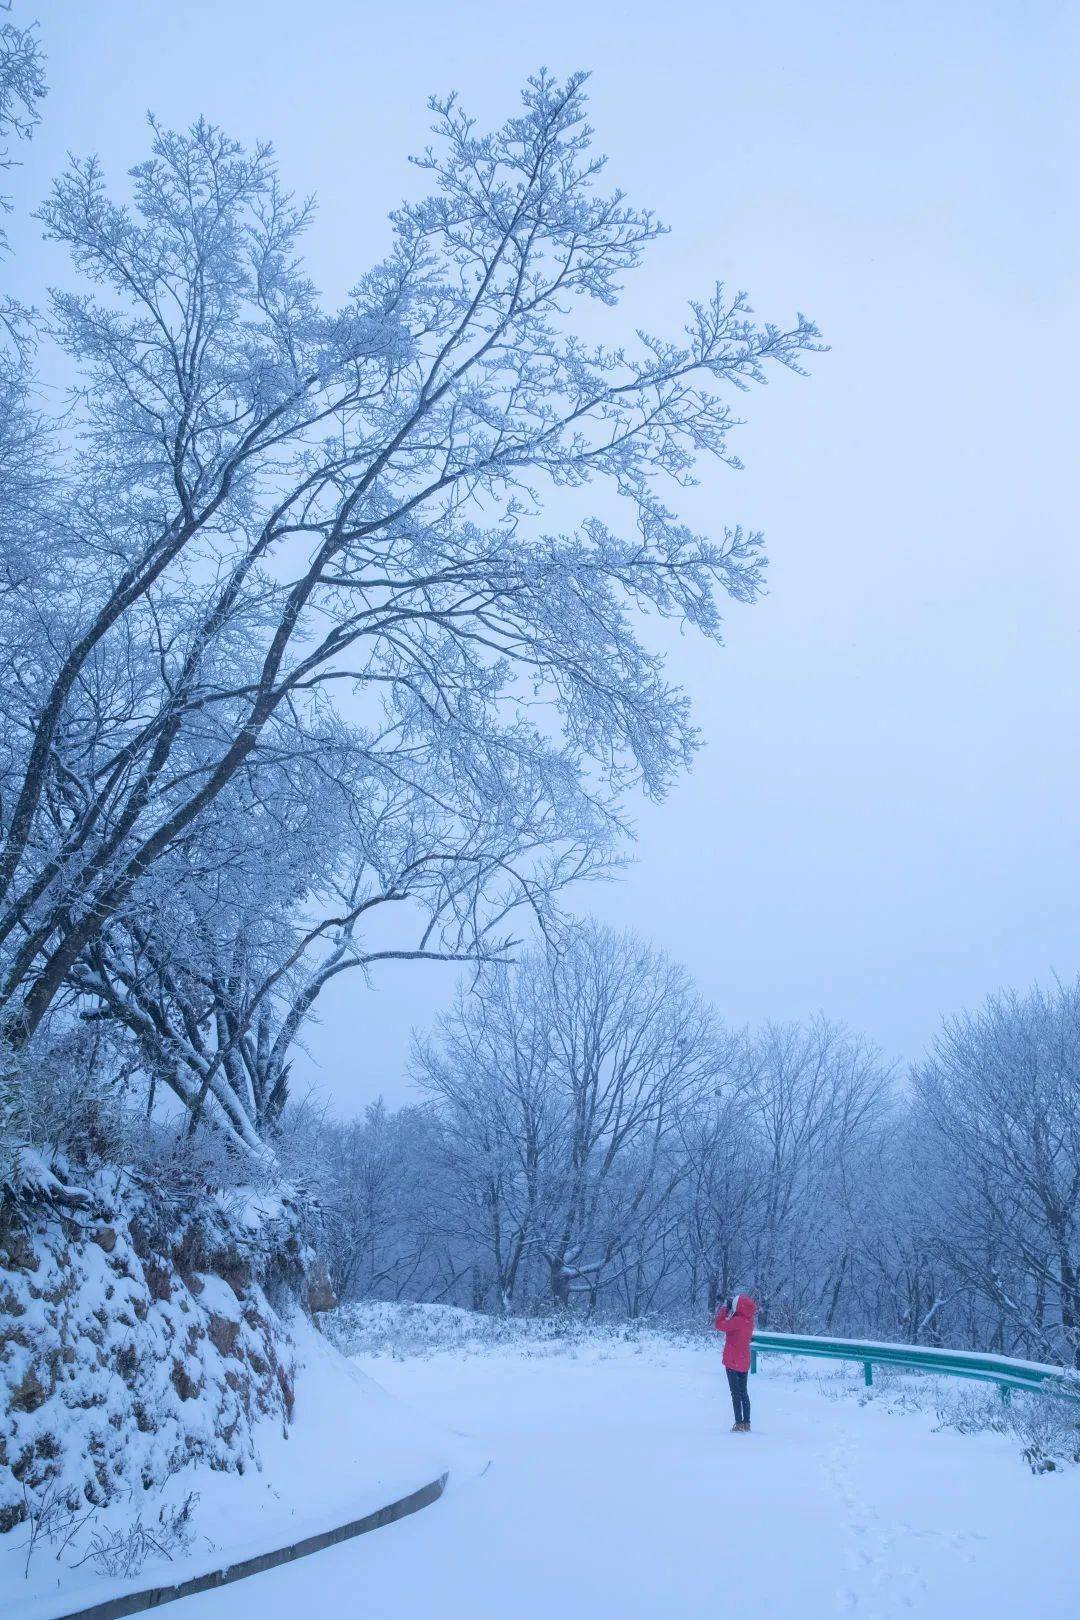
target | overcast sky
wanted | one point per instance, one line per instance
(884, 824)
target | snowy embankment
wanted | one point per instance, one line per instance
(351, 1449)
(160, 1417)
(617, 1492)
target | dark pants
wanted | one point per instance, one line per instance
(740, 1400)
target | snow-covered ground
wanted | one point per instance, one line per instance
(615, 1489)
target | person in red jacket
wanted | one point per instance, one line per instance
(735, 1320)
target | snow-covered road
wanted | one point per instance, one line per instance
(615, 1489)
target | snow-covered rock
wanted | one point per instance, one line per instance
(127, 1351)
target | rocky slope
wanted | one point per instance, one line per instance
(135, 1338)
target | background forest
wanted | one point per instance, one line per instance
(315, 653)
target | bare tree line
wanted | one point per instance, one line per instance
(595, 1140)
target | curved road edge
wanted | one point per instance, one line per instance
(137, 1602)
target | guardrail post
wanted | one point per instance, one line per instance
(1005, 1391)
(868, 1371)
(753, 1359)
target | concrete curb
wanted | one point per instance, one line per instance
(137, 1602)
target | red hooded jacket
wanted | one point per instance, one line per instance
(737, 1329)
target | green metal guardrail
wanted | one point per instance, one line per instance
(1007, 1373)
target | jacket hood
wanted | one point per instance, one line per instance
(744, 1306)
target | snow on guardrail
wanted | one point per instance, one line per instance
(1007, 1371)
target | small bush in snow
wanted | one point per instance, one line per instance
(971, 1410)
(1049, 1432)
(124, 1551)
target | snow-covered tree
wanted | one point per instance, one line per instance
(561, 1081)
(381, 1219)
(269, 503)
(241, 929)
(22, 89)
(999, 1095)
